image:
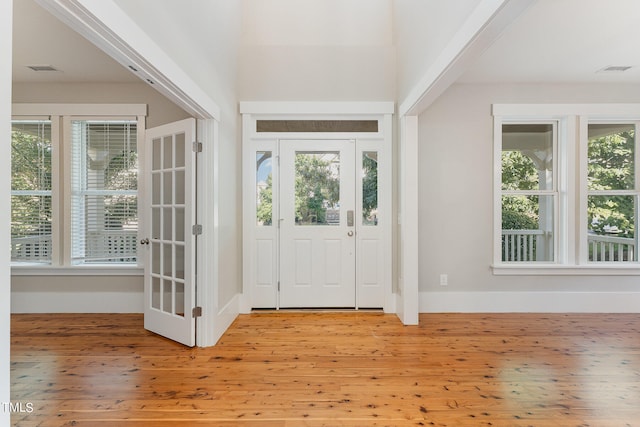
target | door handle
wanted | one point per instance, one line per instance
(350, 233)
(144, 241)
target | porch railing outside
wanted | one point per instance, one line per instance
(522, 245)
(611, 248)
(35, 249)
(114, 246)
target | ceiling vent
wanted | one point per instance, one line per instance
(615, 69)
(42, 68)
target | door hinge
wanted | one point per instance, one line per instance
(197, 147)
(196, 312)
(196, 229)
(278, 286)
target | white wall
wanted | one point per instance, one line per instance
(456, 206)
(77, 294)
(422, 30)
(202, 38)
(306, 50)
(6, 17)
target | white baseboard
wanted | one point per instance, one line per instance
(77, 302)
(225, 318)
(430, 302)
(532, 302)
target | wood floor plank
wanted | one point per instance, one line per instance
(331, 369)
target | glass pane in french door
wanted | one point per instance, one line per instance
(168, 225)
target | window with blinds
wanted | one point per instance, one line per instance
(104, 199)
(31, 197)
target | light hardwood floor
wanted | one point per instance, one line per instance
(331, 369)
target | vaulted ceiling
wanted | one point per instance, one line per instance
(556, 41)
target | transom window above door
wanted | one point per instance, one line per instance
(316, 126)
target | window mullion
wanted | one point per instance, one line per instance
(583, 160)
(56, 193)
(637, 190)
(565, 166)
(67, 163)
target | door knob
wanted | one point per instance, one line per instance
(350, 233)
(144, 241)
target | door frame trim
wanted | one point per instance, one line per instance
(252, 141)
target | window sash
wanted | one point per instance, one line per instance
(604, 243)
(104, 192)
(31, 191)
(523, 248)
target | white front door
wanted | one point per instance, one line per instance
(169, 289)
(317, 223)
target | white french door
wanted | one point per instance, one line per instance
(169, 289)
(317, 223)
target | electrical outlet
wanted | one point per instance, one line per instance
(444, 280)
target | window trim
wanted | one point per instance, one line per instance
(61, 116)
(572, 119)
(77, 270)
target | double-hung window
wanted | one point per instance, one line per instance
(567, 188)
(612, 192)
(75, 186)
(31, 191)
(104, 191)
(529, 192)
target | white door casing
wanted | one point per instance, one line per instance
(262, 262)
(317, 246)
(170, 288)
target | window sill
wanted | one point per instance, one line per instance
(79, 270)
(604, 269)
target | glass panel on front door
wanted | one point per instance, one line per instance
(317, 188)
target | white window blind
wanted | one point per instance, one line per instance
(31, 209)
(104, 200)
